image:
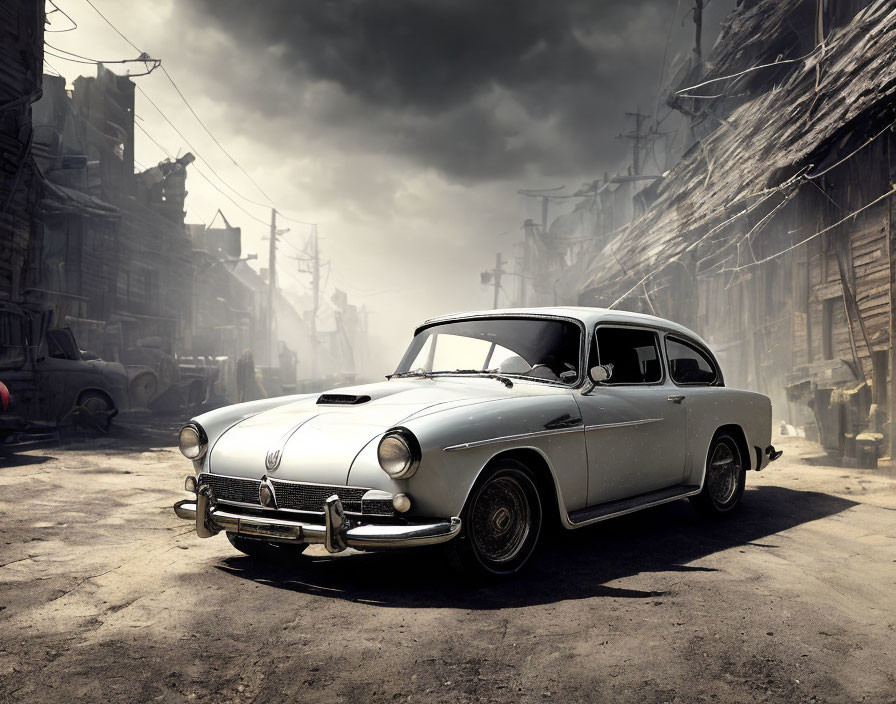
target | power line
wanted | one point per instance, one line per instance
(152, 139)
(853, 214)
(114, 28)
(215, 139)
(298, 250)
(71, 57)
(53, 68)
(143, 58)
(683, 91)
(64, 14)
(207, 130)
(203, 160)
(204, 127)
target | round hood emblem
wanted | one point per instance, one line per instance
(272, 460)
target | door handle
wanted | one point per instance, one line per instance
(676, 399)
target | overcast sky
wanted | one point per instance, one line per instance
(402, 127)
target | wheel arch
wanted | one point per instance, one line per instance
(95, 390)
(546, 481)
(740, 437)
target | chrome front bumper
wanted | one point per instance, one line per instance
(336, 534)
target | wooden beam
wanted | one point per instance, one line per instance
(891, 257)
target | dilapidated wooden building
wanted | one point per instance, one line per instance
(114, 258)
(774, 236)
(21, 68)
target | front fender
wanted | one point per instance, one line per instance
(458, 443)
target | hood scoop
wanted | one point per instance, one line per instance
(341, 400)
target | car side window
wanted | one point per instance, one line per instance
(632, 355)
(688, 364)
(61, 345)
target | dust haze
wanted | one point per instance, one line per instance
(403, 129)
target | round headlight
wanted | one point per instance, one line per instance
(192, 442)
(398, 454)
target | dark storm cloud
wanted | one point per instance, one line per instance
(478, 89)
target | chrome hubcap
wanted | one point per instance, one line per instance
(724, 471)
(500, 519)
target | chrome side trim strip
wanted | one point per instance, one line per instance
(623, 424)
(511, 438)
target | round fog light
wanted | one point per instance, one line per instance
(401, 503)
(190, 484)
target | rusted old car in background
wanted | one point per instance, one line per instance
(494, 425)
(50, 380)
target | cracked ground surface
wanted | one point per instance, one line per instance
(106, 596)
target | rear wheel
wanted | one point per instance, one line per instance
(726, 471)
(98, 410)
(501, 522)
(266, 550)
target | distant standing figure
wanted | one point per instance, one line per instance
(288, 362)
(246, 385)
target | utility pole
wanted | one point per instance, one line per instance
(498, 272)
(527, 266)
(315, 287)
(272, 286)
(493, 276)
(698, 33)
(638, 138)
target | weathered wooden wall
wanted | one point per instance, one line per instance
(21, 66)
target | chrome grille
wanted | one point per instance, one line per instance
(231, 488)
(311, 497)
(377, 507)
(295, 496)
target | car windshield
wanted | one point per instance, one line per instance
(534, 348)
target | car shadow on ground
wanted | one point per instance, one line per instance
(11, 459)
(129, 433)
(575, 565)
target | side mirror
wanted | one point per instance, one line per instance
(600, 373)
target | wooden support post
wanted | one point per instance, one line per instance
(891, 396)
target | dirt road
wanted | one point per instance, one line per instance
(106, 596)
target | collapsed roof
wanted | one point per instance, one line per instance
(762, 144)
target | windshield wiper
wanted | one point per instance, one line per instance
(411, 373)
(486, 373)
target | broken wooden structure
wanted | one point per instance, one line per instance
(774, 235)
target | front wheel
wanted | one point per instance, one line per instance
(725, 478)
(502, 522)
(265, 550)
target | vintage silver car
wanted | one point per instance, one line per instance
(494, 425)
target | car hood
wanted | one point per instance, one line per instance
(318, 441)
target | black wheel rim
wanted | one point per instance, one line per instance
(501, 519)
(724, 472)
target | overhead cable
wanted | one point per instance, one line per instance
(64, 14)
(202, 159)
(748, 70)
(208, 131)
(853, 214)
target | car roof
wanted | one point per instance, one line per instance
(588, 316)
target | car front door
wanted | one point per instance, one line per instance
(61, 373)
(635, 421)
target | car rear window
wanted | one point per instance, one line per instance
(689, 365)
